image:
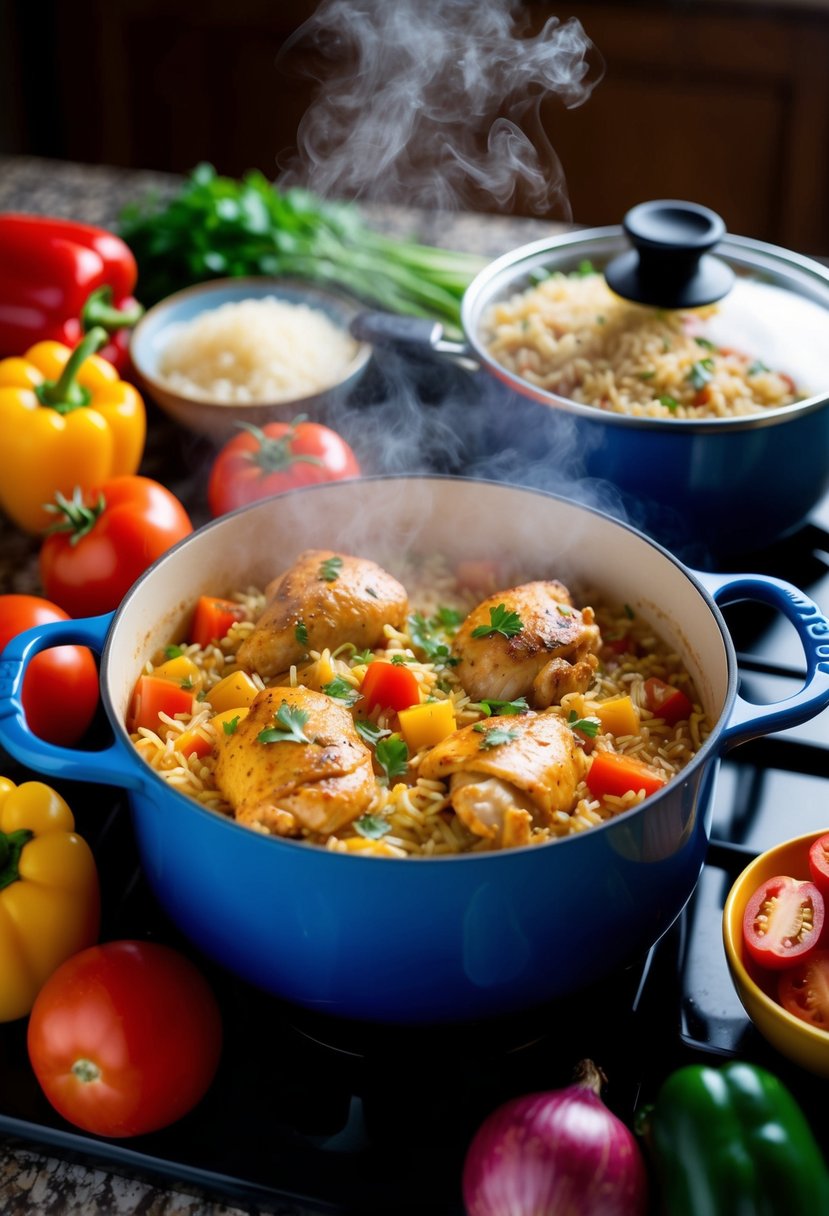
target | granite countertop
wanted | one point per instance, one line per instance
(32, 1179)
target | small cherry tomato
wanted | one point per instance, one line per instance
(280, 456)
(389, 685)
(666, 702)
(105, 539)
(803, 989)
(819, 864)
(212, 617)
(783, 921)
(125, 1038)
(60, 688)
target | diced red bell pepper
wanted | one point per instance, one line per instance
(212, 619)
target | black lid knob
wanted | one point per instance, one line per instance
(670, 265)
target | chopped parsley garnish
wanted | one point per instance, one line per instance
(493, 735)
(301, 633)
(670, 403)
(201, 695)
(583, 270)
(372, 827)
(502, 621)
(289, 729)
(329, 570)
(187, 684)
(362, 656)
(705, 343)
(392, 756)
(447, 618)
(400, 660)
(648, 375)
(423, 638)
(505, 708)
(585, 726)
(370, 732)
(757, 368)
(173, 652)
(230, 727)
(700, 373)
(341, 690)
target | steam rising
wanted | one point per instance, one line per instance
(428, 101)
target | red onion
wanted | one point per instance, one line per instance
(561, 1153)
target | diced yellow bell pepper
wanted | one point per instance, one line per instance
(426, 724)
(234, 690)
(219, 721)
(618, 716)
(180, 670)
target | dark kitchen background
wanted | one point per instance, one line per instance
(723, 103)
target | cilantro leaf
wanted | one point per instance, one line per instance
(230, 727)
(340, 690)
(301, 633)
(493, 735)
(370, 732)
(585, 726)
(502, 621)
(329, 570)
(392, 756)
(669, 402)
(505, 708)
(173, 652)
(372, 827)
(290, 729)
(700, 373)
(422, 634)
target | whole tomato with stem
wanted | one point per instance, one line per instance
(60, 688)
(125, 1038)
(105, 538)
(280, 456)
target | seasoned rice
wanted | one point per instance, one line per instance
(572, 336)
(420, 820)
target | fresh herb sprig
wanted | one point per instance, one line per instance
(290, 723)
(501, 620)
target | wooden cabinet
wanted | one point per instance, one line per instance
(723, 103)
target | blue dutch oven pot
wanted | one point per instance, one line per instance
(708, 489)
(422, 941)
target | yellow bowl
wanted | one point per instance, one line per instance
(804, 1044)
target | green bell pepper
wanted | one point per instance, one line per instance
(732, 1141)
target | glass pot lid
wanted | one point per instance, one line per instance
(739, 308)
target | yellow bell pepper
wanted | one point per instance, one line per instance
(426, 724)
(618, 716)
(67, 420)
(236, 689)
(49, 893)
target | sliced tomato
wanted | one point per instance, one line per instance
(819, 864)
(616, 774)
(389, 685)
(154, 696)
(783, 921)
(212, 619)
(666, 702)
(803, 990)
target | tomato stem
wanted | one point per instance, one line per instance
(76, 516)
(86, 1071)
(274, 455)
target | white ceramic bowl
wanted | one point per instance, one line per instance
(217, 419)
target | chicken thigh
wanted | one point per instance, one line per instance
(310, 773)
(323, 600)
(509, 774)
(549, 647)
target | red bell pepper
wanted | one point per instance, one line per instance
(58, 279)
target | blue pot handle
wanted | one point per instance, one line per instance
(749, 720)
(15, 736)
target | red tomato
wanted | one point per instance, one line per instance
(616, 774)
(667, 702)
(804, 989)
(783, 921)
(819, 864)
(280, 456)
(112, 535)
(390, 685)
(125, 1038)
(60, 688)
(212, 618)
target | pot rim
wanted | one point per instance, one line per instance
(706, 753)
(745, 251)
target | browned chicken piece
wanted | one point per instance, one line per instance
(503, 790)
(551, 649)
(336, 598)
(289, 787)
